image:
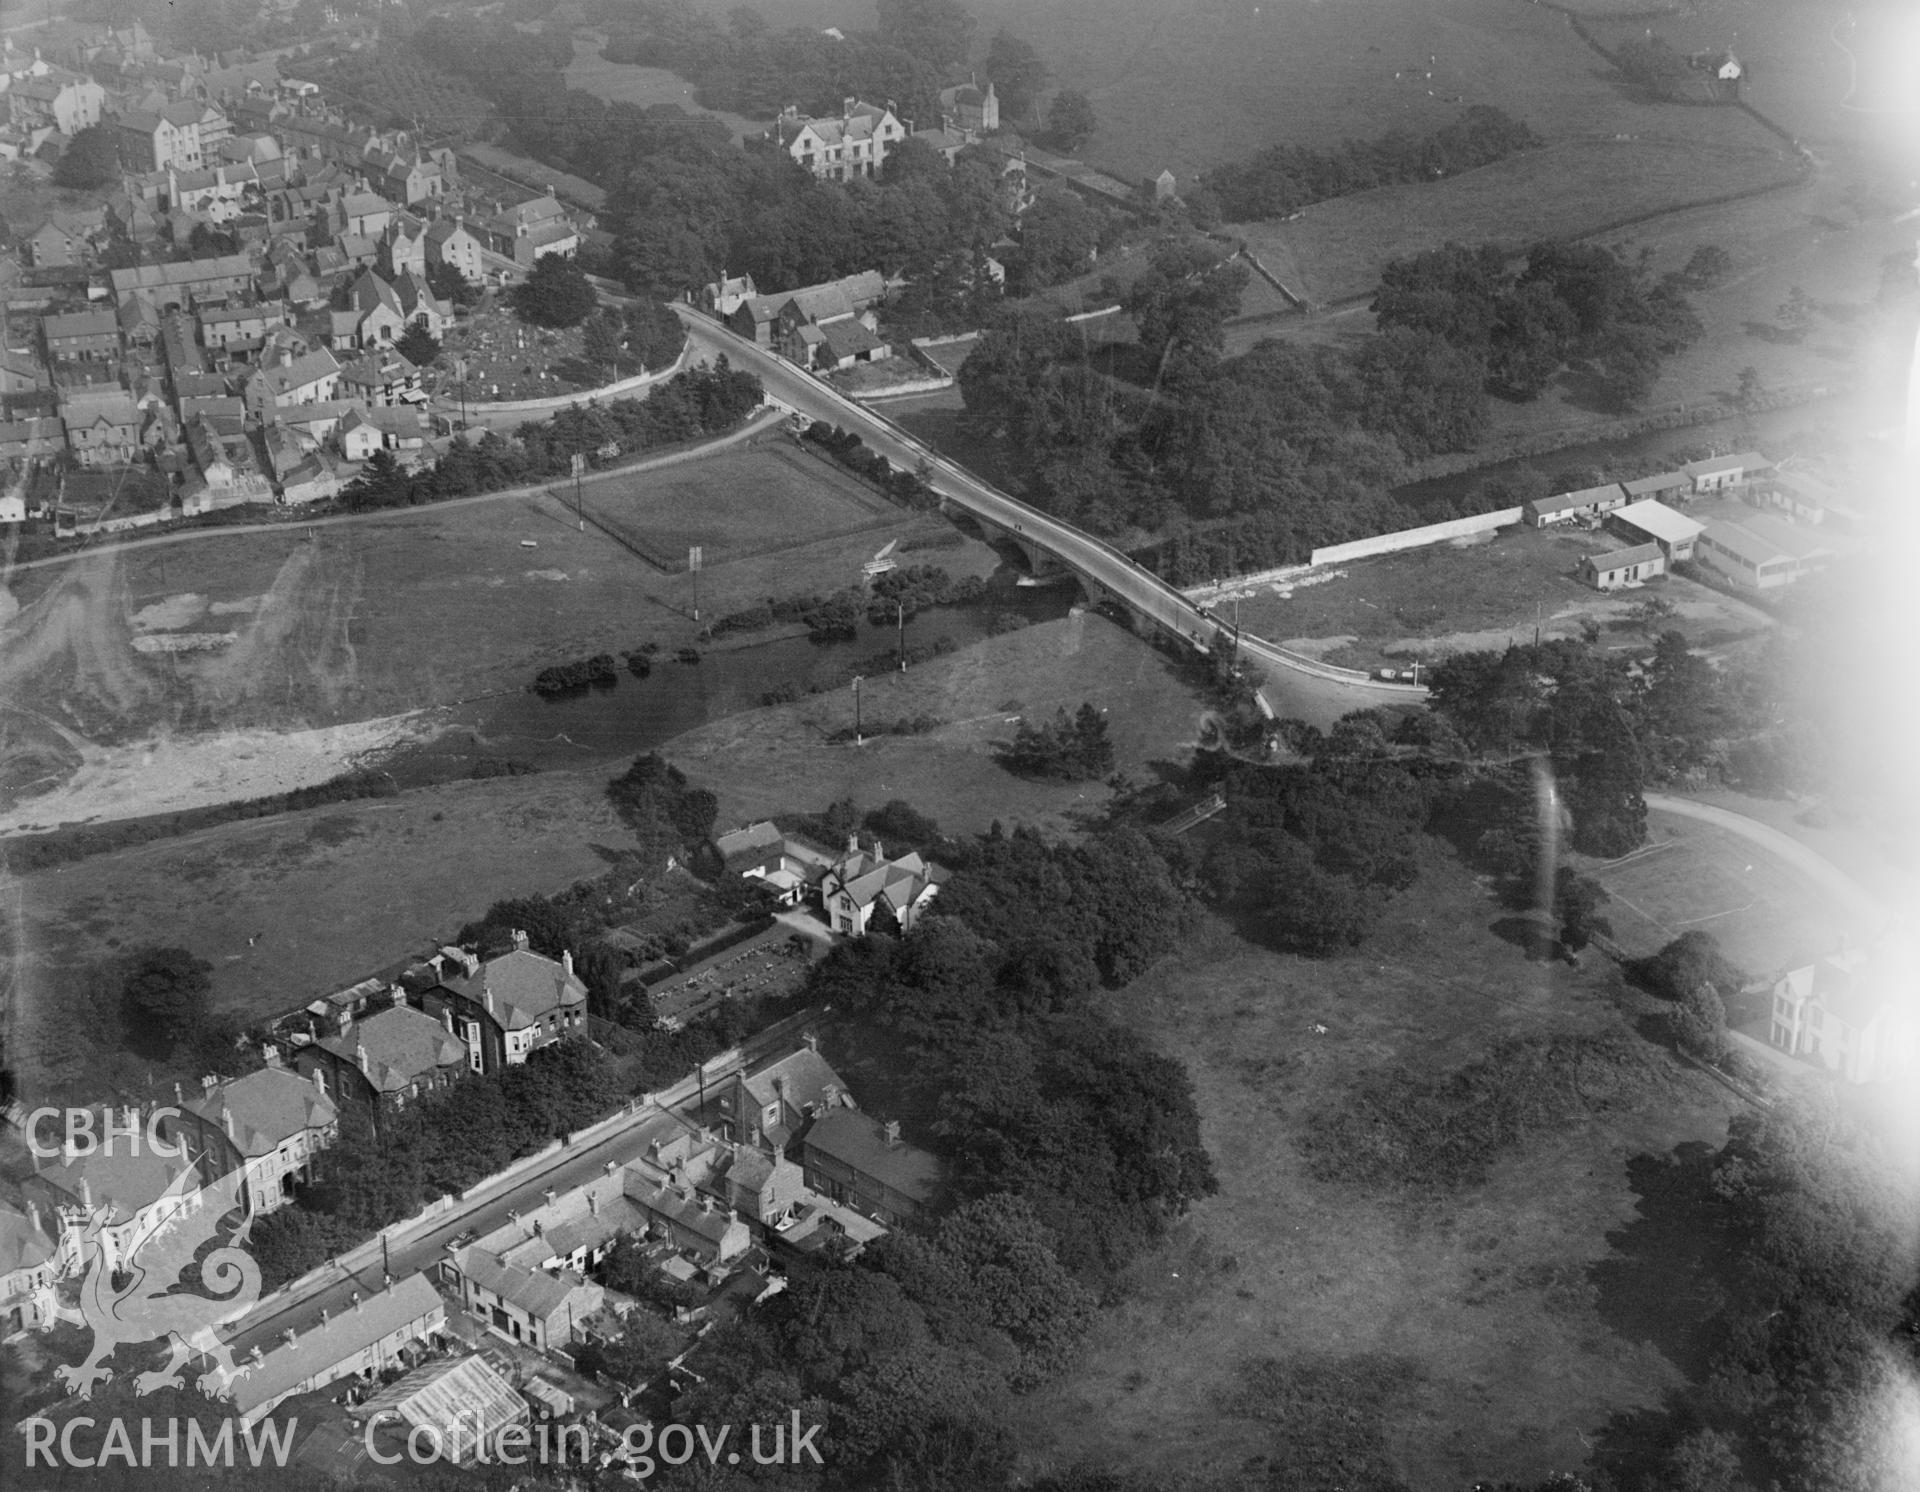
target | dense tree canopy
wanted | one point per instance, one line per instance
(89, 160)
(555, 292)
(1285, 178)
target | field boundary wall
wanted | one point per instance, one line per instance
(1416, 538)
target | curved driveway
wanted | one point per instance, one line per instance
(1815, 866)
(1313, 689)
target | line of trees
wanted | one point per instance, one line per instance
(1285, 178)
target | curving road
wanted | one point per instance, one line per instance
(1815, 866)
(1311, 688)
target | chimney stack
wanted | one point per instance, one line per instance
(360, 1056)
(519, 940)
(812, 1039)
(550, 1195)
(891, 1129)
(566, 961)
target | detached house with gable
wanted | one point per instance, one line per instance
(854, 144)
(865, 892)
(506, 1008)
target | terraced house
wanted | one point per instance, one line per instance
(269, 1124)
(385, 1061)
(180, 135)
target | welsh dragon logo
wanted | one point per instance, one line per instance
(145, 1305)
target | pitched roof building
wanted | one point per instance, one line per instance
(865, 892)
(367, 1336)
(391, 1058)
(854, 1158)
(839, 149)
(508, 1007)
(270, 1123)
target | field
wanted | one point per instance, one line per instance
(739, 506)
(286, 909)
(775, 760)
(1336, 250)
(1765, 915)
(290, 907)
(378, 620)
(621, 83)
(1497, 1329)
(1421, 603)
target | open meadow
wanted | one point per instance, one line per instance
(289, 908)
(1467, 596)
(781, 759)
(1418, 1339)
(646, 87)
(281, 633)
(1335, 250)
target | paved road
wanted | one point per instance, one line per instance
(488, 1205)
(1136, 586)
(1815, 866)
(759, 425)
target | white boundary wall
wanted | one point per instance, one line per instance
(477, 410)
(1415, 538)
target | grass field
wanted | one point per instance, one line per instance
(1489, 1320)
(1422, 603)
(289, 908)
(739, 506)
(1337, 248)
(620, 83)
(402, 612)
(1693, 875)
(775, 760)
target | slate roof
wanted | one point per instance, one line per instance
(100, 323)
(859, 1142)
(1742, 461)
(524, 985)
(402, 1045)
(185, 272)
(301, 371)
(282, 1370)
(121, 1182)
(23, 1243)
(267, 1107)
(536, 1292)
(804, 1078)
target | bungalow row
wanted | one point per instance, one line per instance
(1695, 479)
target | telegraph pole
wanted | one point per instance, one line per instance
(859, 739)
(693, 566)
(902, 623)
(579, 464)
